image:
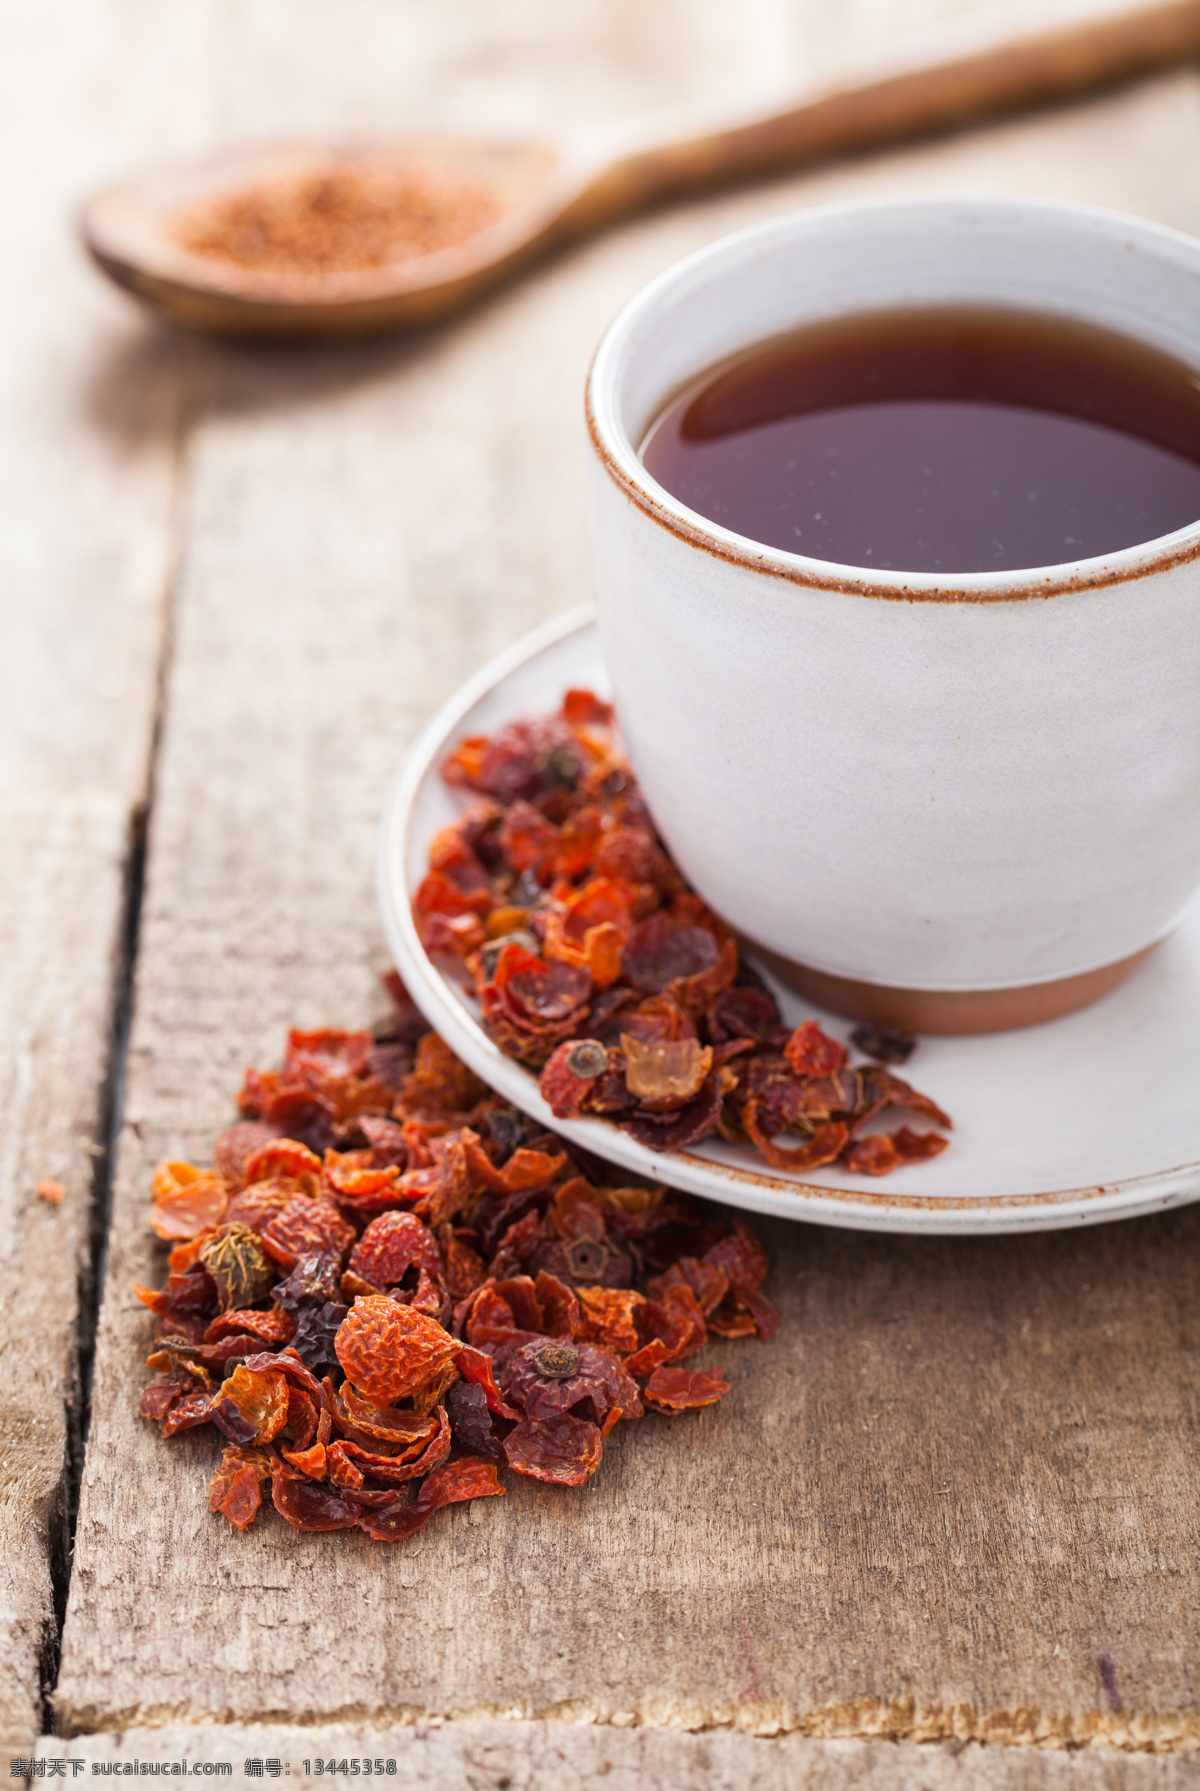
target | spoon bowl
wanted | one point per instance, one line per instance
(137, 232)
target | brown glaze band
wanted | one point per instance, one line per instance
(756, 558)
(951, 1012)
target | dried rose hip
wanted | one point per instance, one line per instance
(550, 1375)
(238, 1265)
(569, 1074)
(595, 964)
(391, 1245)
(387, 1350)
(494, 1315)
(306, 1227)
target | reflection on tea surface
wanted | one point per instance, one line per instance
(940, 440)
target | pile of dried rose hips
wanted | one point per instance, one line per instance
(392, 1276)
(596, 965)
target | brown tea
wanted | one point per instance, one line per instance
(939, 440)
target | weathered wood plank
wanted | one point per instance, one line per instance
(88, 412)
(957, 1497)
(521, 1756)
(58, 935)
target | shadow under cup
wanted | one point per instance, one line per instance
(955, 803)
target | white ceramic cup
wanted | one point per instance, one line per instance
(960, 801)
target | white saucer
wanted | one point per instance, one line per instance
(1089, 1118)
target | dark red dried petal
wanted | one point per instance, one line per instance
(186, 1413)
(698, 992)
(708, 1282)
(309, 1505)
(457, 1481)
(293, 1369)
(885, 1090)
(918, 1147)
(549, 994)
(260, 1202)
(690, 1125)
(237, 1144)
(265, 1327)
(609, 1093)
(823, 1147)
(391, 1469)
(470, 1419)
(885, 1043)
(385, 1137)
(577, 1211)
(476, 1368)
(645, 1360)
(812, 1052)
(740, 1304)
(733, 1318)
(527, 840)
(514, 762)
(465, 1268)
(671, 1326)
(563, 1450)
(234, 1487)
(739, 1256)
(164, 1390)
(519, 1294)
(658, 1020)
(684, 1389)
(742, 1013)
(512, 1249)
(779, 1094)
(560, 1308)
(660, 952)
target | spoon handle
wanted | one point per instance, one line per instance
(972, 78)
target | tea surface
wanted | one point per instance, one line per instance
(939, 440)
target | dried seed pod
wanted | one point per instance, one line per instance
(238, 1264)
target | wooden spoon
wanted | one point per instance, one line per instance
(539, 195)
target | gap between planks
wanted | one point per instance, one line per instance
(519, 1755)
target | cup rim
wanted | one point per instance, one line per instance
(618, 454)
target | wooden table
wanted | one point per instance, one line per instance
(955, 1502)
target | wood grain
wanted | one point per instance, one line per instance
(955, 1498)
(59, 924)
(88, 409)
(556, 1756)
